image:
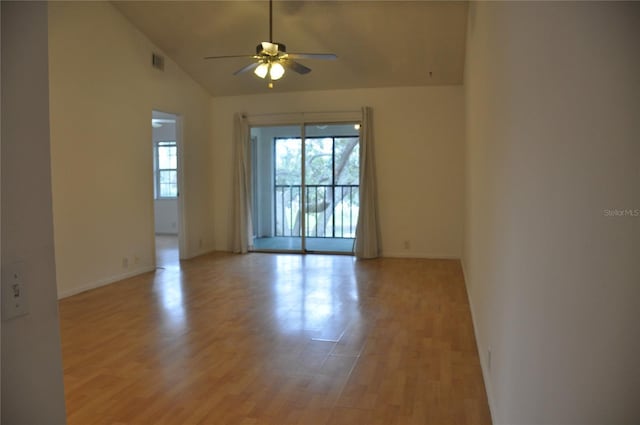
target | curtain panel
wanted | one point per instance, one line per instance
(367, 234)
(242, 225)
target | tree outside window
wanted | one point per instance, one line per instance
(331, 186)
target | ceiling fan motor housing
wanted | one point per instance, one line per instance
(281, 48)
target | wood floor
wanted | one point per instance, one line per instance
(275, 339)
(167, 253)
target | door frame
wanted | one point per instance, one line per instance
(303, 125)
(181, 224)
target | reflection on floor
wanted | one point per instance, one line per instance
(344, 245)
(167, 254)
(275, 339)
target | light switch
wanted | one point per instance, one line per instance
(14, 293)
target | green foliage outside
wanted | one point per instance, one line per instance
(332, 165)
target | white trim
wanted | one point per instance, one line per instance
(182, 204)
(202, 252)
(300, 118)
(104, 282)
(182, 230)
(483, 360)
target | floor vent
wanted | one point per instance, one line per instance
(157, 61)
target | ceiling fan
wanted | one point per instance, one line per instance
(271, 59)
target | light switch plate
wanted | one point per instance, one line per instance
(14, 291)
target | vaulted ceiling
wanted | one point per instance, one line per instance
(378, 43)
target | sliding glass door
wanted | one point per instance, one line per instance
(331, 186)
(276, 154)
(305, 187)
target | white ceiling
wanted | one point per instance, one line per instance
(378, 43)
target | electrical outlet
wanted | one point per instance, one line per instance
(136, 260)
(200, 243)
(407, 244)
(14, 291)
(125, 263)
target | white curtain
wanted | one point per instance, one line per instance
(242, 226)
(367, 234)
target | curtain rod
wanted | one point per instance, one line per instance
(246, 115)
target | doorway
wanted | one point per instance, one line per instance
(305, 187)
(166, 188)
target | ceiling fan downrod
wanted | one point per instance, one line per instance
(270, 21)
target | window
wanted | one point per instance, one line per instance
(331, 188)
(165, 168)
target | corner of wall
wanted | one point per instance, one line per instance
(32, 377)
(479, 346)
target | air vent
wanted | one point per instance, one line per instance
(157, 61)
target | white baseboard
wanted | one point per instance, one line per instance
(409, 254)
(198, 253)
(104, 282)
(481, 351)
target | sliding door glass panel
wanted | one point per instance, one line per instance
(347, 172)
(277, 188)
(318, 186)
(331, 186)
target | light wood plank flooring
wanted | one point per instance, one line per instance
(275, 339)
(167, 253)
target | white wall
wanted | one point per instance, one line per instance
(553, 136)
(165, 210)
(32, 386)
(103, 90)
(419, 140)
(166, 216)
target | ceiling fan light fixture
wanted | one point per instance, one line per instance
(262, 70)
(277, 71)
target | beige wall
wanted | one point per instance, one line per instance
(103, 90)
(419, 140)
(32, 388)
(553, 133)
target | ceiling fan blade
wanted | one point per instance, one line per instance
(269, 48)
(321, 56)
(247, 68)
(296, 67)
(229, 56)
